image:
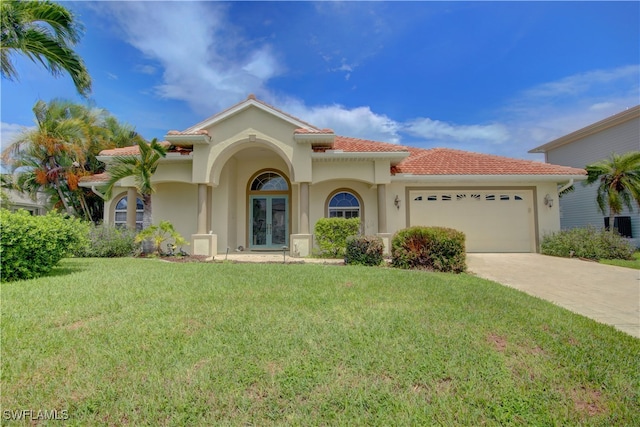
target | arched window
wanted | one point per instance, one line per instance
(344, 205)
(120, 217)
(269, 181)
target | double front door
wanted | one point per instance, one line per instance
(268, 222)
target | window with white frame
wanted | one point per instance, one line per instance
(120, 217)
(344, 205)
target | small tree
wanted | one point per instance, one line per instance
(158, 234)
(619, 183)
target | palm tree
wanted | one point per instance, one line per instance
(141, 167)
(47, 156)
(52, 157)
(44, 32)
(619, 182)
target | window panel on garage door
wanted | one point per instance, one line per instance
(493, 221)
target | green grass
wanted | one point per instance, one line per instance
(634, 263)
(145, 342)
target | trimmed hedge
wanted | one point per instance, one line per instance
(30, 246)
(587, 242)
(429, 248)
(364, 250)
(331, 235)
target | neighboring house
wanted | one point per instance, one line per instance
(257, 177)
(18, 200)
(619, 134)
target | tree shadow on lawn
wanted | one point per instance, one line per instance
(67, 267)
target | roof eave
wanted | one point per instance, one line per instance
(188, 139)
(243, 105)
(558, 178)
(314, 138)
(394, 156)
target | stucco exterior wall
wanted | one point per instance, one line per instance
(176, 203)
(319, 196)
(348, 170)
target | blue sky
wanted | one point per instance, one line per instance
(491, 77)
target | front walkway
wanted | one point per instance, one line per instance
(273, 257)
(605, 293)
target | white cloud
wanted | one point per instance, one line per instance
(146, 69)
(601, 106)
(553, 109)
(205, 61)
(582, 83)
(452, 133)
(358, 122)
(9, 132)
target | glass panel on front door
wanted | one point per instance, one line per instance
(269, 222)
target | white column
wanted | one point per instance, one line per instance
(382, 208)
(132, 202)
(202, 209)
(304, 208)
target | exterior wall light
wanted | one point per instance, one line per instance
(548, 200)
(396, 202)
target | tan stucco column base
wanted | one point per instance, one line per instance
(386, 240)
(204, 244)
(300, 245)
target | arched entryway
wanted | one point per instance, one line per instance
(269, 195)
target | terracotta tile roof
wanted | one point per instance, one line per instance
(349, 144)
(314, 131)
(435, 161)
(99, 177)
(446, 161)
(132, 150)
(195, 132)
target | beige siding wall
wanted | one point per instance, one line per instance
(579, 208)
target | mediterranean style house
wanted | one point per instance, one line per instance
(618, 134)
(255, 178)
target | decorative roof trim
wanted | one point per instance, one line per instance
(616, 119)
(407, 177)
(334, 155)
(188, 139)
(251, 101)
(315, 138)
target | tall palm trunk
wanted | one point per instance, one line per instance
(147, 221)
(63, 199)
(612, 218)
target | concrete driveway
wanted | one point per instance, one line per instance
(608, 294)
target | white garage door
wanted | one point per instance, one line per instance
(493, 221)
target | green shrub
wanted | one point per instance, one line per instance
(160, 233)
(430, 248)
(30, 246)
(587, 242)
(364, 250)
(331, 235)
(106, 241)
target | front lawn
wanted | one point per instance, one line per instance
(634, 263)
(146, 342)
